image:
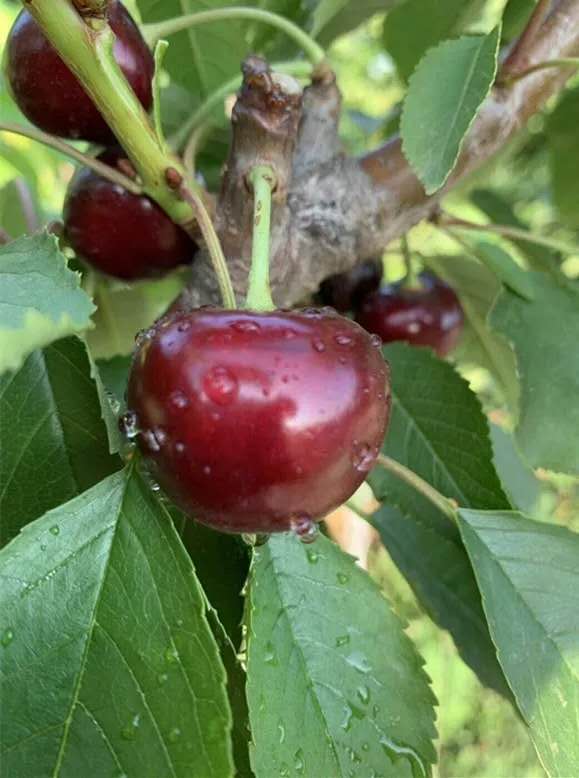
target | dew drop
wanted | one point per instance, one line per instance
(414, 328)
(245, 325)
(220, 385)
(184, 326)
(342, 640)
(171, 655)
(376, 341)
(162, 678)
(363, 457)
(55, 530)
(7, 637)
(281, 730)
(178, 399)
(179, 622)
(43, 546)
(128, 425)
(270, 656)
(342, 360)
(363, 693)
(207, 470)
(365, 746)
(174, 735)
(343, 578)
(343, 340)
(359, 662)
(313, 556)
(130, 731)
(318, 345)
(299, 761)
(179, 447)
(150, 441)
(346, 722)
(305, 528)
(284, 770)
(289, 334)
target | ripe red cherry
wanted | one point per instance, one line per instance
(429, 316)
(259, 422)
(48, 93)
(124, 235)
(345, 291)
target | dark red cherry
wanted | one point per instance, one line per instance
(345, 291)
(259, 422)
(48, 93)
(119, 233)
(429, 316)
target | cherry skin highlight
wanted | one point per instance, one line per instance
(49, 94)
(121, 234)
(429, 316)
(259, 422)
(345, 291)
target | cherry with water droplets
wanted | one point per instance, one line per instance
(430, 315)
(49, 94)
(345, 291)
(119, 233)
(280, 454)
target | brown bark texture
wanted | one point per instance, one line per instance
(331, 210)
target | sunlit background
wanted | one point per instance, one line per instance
(480, 734)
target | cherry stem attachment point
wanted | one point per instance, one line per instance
(213, 246)
(262, 180)
(64, 148)
(153, 31)
(444, 504)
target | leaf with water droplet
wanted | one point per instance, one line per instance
(347, 656)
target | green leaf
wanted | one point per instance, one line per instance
(544, 335)
(440, 575)
(332, 18)
(505, 268)
(40, 299)
(212, 52)
(54, 444)
(122, 311)
(415, 26)
(118, 666)
(444, 95)
(529, 578)
(518, 479)
(437, 429)
(563, 146)
(478, 289)
(335, 687)
(114, 373)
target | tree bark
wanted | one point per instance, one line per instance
(333, 211)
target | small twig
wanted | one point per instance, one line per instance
(520, 51)
(514, 233)
(444, 504)
(213, 245)
(64, 148)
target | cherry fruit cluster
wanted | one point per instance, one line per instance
(118, 233)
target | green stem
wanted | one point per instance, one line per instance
(411, 280)
(198, 136)
(160, 51)
(64, 148)
(511, 232)
(563, 62)
(213, 246)
(262, 179)
(89, 55)
(419, 485)
(216, 99)
(152, 32)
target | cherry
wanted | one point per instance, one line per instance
(119, 233)
(345, 291)
(259, 422)
(48, 93)
(427, 316)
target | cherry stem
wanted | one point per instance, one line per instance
(262, 180)
(563, 62)
(411, 280)
(217, 98)
(514, 233)
(213, 246)
(448, 507)
(64, 148)
(194, 143)
(160, 50)
(152, 32)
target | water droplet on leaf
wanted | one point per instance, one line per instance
(7, 637)
(55, 530)
(128, 425)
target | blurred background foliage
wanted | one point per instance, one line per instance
(534, 183)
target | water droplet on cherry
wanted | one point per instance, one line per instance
(220, 385)
(305, 528)
(363, 457)
(318, 345)
(343, 340)
(129, 425)
(376, 341)
(244, 325)
(178, 399)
